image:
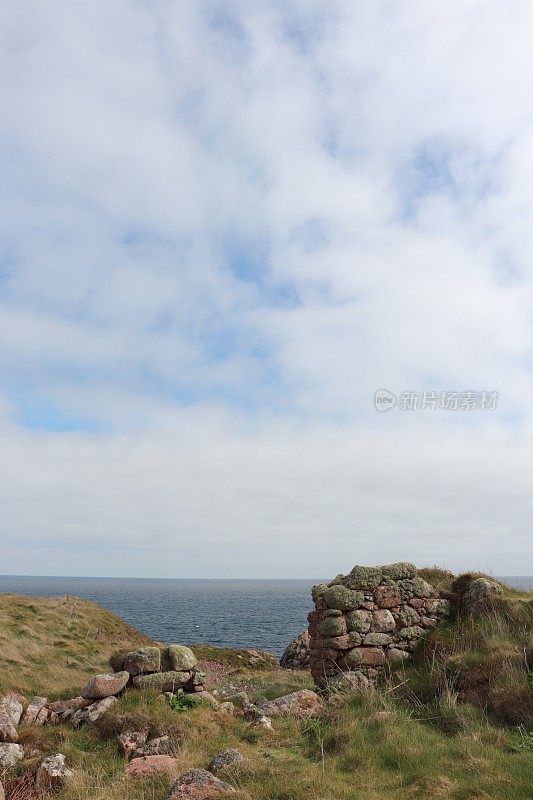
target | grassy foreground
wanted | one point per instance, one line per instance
(424, 734)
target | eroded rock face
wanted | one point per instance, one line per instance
(105, 685)
(297, 655)
(199, 784)
(367, 618)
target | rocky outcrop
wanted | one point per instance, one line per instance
(297, 654)
(366, 619)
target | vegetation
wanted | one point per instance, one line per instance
(454, 725)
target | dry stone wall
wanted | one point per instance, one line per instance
(368, 618)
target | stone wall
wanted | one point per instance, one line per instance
(368, 618)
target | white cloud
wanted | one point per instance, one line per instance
(227, 224)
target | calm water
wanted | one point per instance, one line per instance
(264, 614)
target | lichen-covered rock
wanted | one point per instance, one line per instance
(163, 681)
(303, 703)
(480, 595)
(52, 774)
(10, 754)
(130, 741)
(342, 599)
(414, 632)
(296, 654)
(226, 761)
(377, 639)
(382, 621)
(347, 683)
(33, 709)
(387, 596)
(359, 621)
(93, 712)
(407, 617)
(105, 685)
(399, 571)
(159, 746)
(180, 658)
(143, 661)
(199, 784)
(395, 655)
(332, 626)
(363, 577)
(150, 765)
(10, 714)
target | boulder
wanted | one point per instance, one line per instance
(180, 658)
(105, 685)
(377, 639)
(35, 706)
(159, 746)
(93, 712)
(52, 774)
(226, 761)
(150, 765)
(303, 703)
(342, 598)
(10, 714)
(198, 784)
(162, 681)
(296, 655)
(131, 741)
(142, 661)
(10, 755)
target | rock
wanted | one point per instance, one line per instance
(342, 598)
(340, 642)
(65, 709)
(208, 698)
(198, 784)
(2, 793)
(303, 703)
(227, 706)
(150, 765)
(142, 661)
(387, 597)
(377, 639)
(226, 761)
(52, 774)
(348, 683)
(105, 685)
(414, 632)
(10, 755)
(180, 658)
(480, 595)
(35, 706)
(159, 746)
(395, 655)
(93, 712)
(131, 741)
(364, 577)
(10, 714)
(332, 626)
(399, 571)
(19, 698)
(383, 621)
(359, 621)
(296, 655)
(263, 722)
(407, 617)
(163, 681)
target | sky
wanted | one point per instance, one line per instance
(224, 226)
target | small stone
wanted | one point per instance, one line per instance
(226, 761)
(35, 706)
(395, 655)
(263, 722)
(52, 774)
(208, 698)
(428, 622)
(150, 765)
(10, 755)
(130, 741)
(383, 621)
(416, 602)
(163, 681)
(407, 617)
(105, 685)
(68, 707)
(142, 661)
(198, 784)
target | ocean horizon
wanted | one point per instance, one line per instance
(262, 613)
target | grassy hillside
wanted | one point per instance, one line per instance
(53, 645)
(422, 734)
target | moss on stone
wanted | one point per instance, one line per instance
(359, 621)
(399, 571)
(363, 577)
(332, 626)
(339, 597)
(407, 617)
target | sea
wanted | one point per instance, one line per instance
(260, 614)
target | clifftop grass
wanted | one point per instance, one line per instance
(53, 645)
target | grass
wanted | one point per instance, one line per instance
(434, 730)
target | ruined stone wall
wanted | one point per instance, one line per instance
(372, 616)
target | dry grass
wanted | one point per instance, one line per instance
(52, 646)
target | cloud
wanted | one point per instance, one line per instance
(224, 226)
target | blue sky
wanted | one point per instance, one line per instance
(224, 226)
